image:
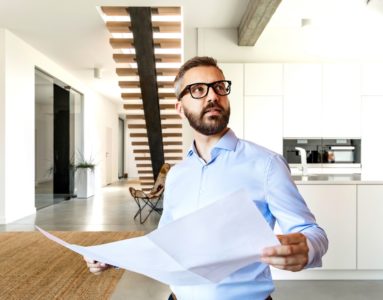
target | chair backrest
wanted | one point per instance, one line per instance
(160, 181)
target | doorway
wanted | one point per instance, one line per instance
(58, 135)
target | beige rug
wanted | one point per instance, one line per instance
(33, 267)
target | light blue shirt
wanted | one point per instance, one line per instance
(237, 164)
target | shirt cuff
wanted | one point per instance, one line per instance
(311, 251)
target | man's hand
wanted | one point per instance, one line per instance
(96, 267)
(291, 255)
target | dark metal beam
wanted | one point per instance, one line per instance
(143, 42)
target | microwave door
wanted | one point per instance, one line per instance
(343, 154)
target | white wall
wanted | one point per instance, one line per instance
(2, 123)
(130, 163)
(17, 107)
(100, 114)
(19, 130)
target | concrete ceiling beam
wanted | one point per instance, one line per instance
(255, 19)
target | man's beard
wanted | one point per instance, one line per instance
(215, 124)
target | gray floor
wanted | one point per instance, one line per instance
(113, 209)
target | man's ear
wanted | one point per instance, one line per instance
(180, 109)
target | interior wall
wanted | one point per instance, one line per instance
(19, 130)
(18, 144)
(100, 114)
(2, 125)
(269, 48)
(306, 45)
(130, 163)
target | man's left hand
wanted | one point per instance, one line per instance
(291, 255)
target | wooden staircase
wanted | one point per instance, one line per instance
(166, 25)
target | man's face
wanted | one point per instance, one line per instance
(210, 114)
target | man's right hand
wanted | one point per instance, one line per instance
(96, 267)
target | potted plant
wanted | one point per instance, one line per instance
(84, 172)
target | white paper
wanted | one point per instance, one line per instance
(203, 247)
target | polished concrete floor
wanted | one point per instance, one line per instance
(112, 209)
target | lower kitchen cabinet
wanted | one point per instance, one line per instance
(370, 224)
(334, 207)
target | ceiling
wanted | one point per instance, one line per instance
(72, 33)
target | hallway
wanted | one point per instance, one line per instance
(111, 209)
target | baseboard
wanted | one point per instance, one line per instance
(6, 220)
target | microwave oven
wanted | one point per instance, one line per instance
(327, 152)
(341, 151)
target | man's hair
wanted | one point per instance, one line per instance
(197, 61)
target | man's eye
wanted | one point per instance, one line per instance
(197, 88)
(220, 87)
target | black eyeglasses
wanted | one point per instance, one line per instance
(200, 89)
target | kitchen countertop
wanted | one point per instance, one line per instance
(334, 179)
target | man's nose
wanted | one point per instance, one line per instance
(212, 96)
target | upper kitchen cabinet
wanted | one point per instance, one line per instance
(372, 145)
(302, 107)
(371, 79)
(263, 79)
(263, 121)
(234, 72)
(341, 100)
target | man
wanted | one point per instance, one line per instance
(219, 163)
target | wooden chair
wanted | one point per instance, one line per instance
(153, 198)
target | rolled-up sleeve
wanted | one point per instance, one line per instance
(290, 210)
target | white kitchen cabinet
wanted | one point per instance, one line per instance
(263, 79)
(371, 79)
(372, 144)
(263, 121)
(302, 103)
(334, 207)
(370, 224)
(234, 72)
(341, 100)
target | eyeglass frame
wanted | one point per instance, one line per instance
(209, 85)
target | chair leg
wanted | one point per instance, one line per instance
(140, 208)
(153, 207)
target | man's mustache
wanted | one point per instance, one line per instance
(211, 105)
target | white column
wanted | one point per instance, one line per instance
(2, 125)
(18, 129)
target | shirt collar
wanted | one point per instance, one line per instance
(227, 142)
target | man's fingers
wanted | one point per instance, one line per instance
(291, 255)
(293, 238)
(293, 268)
(94, 266)
(89, 260)
(285, 250)
(96, 271)
(285, 260)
